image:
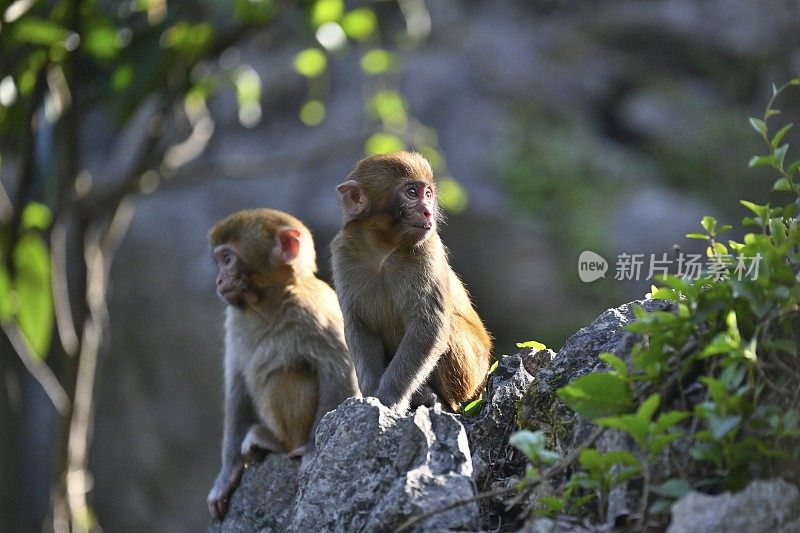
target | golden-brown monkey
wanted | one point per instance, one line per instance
(286, 361)
(409, 322)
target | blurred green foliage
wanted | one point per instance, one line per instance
(718, 370)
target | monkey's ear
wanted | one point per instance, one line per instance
(287, 244)
(353, 198)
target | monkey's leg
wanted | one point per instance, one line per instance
(366, 350)
(460, 374)
(258, 441)
(416, 357)
(238, 417)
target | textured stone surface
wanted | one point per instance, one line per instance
(264, 498)
(374, 470)
(495, 463)
(763, 506)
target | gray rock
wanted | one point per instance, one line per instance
(548, 525)
(264, 498)
(761, 507)
(375, 469)
(542, 409)
(495, 463)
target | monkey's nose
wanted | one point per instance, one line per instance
(427, 214)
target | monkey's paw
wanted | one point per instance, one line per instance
(424, 396)
(220, 495)
(255, 446)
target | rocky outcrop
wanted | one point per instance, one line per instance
(763, 506)
(373, 470)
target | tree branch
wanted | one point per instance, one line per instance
(37, 368)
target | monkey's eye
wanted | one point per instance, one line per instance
(428, 193)
(411, 191)
(227, 258)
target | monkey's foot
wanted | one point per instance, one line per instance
(220, 495)
(258, 441)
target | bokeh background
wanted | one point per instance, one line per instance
(558, 125)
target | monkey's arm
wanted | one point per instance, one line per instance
(423, 343)
(239, 416)
(366, 350)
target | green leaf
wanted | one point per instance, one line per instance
(254, 11)
(36, 216)
(536, 345)
(793, 168)
(660, 506)
(761, 160)
(32, 285)
(760, 210)
(649, 406)
(722, 426)
(780, 154)
(553, 503)
(122, 77)
(776, 140)
(698, 236)
(778, 230)
(474, 407)
(534, 445)
(377, 61)
(709, 223)
(38, 31)
(673, 488)
(389, 107)
(782, 184)
(614, 362)
(312, 112)
(453, 197)
(659, 442)
(326, 11)
(669, 419)
(493, 367)
(383, 143)
(310, 62)
(360, 24)
(634, 425)
(598, 394)
(5, 295)
(102, 42)
(248, 85)
(758, 125)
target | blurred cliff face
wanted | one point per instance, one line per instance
(612, 126)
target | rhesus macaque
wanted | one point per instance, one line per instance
(286, 361)
(413, 333)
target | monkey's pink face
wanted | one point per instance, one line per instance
(415, 207)
(232, 276)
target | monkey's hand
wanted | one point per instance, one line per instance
(220, 495)
(424, 396)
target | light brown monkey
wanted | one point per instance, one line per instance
(286, 361)
(411, 328)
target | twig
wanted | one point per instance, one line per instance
(63, 312)
(37, 368)
(528, 484)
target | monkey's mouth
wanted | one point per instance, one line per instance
(425, 226)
